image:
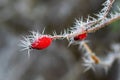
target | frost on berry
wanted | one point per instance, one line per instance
(35, 41)
(41, 43)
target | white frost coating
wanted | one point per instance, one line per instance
(79, 27)
(27, 41)
(88, 64)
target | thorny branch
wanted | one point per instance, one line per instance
(80, 27)
(88, 26)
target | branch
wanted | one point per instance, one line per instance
(41, 41)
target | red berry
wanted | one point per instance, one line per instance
(41, 43)
(80, 37)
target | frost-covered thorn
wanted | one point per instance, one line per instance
(54, 33)
(88, 63)
(26, 45)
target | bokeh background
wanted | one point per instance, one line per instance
(58, 62)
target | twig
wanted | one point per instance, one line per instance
(91, 53)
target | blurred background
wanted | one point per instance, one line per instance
(58, 62)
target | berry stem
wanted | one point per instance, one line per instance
(91, 53)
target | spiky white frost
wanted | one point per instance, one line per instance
(88, 63)
(79, 27)
(25, 44)
(28, 40)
